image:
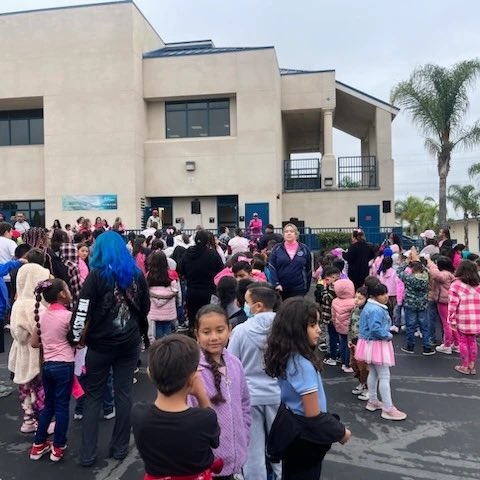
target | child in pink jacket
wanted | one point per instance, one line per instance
(388, 276)
(342, 308)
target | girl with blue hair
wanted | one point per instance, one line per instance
(110, 319)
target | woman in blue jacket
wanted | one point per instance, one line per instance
(291, 264)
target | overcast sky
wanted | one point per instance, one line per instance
(372, 45)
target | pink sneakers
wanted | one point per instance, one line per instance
(393, 414)
(372, 406)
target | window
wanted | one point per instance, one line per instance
(21, 127)
(199, 118)
(34, 211)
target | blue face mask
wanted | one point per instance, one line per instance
(246, 309)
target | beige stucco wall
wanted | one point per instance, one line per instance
(248, 162)
(457, 233)
(86, 63)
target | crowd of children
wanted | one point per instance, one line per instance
(248, 392)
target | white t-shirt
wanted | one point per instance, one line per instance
(239, 245)
(7, 252)
(22, 227)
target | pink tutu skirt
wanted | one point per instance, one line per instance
(378, 352)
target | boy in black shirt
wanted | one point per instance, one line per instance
(172, 438)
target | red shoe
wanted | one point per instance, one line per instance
(57, 453)
(38, 451)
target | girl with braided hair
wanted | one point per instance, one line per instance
(225, 383)
(57, 357)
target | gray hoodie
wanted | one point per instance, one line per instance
(248, 342)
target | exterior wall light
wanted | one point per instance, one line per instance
(190, 166)
(328, 182)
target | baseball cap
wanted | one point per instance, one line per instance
(428, 234)
(255, 214)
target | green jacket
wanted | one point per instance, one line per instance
(354, 328)
(416, 289)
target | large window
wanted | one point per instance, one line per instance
(34, 211)
(21, 127)
(199, 118)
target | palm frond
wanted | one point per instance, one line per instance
(474, 170)
(469, 137)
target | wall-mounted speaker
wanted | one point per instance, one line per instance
(386, 206)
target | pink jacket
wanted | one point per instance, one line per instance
(389, 279)
(257, 275)
(163, 305)
(441, 283)
(343, 305)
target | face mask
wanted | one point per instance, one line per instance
(248, 312)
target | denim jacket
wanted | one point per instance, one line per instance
(374, 321)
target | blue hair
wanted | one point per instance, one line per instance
(113, 260)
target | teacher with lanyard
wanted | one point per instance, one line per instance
(291, 264)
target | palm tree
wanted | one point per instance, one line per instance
(474, 170)
(436, 98)
(417, 212)
(467, 199)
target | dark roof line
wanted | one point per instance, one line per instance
(189, 41)
(198, 50)
(368, 95)
(292, 71)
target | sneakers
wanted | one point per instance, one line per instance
(77, 416)
(394, 329)
(407, 349)
(38, 451)
(360, 388)
(373, 406)
(5, 391)
(29, 426)
(455, 349)
(346, 369)
(109, 416)
(136, 370)
(443, 349)
(329, 361)
(429, 351)
(393, 414)
(57, 453)
(364, 396)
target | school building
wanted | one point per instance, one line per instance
(100, 117)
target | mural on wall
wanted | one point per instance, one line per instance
(89, 202)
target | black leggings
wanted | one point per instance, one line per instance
(303, 461)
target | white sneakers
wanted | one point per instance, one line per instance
(443, 349)
(347, 369)
(359, 389)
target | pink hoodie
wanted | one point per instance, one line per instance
(389, 279)
(343, 305)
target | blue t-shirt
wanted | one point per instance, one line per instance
(302, 378)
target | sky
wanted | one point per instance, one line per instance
(372, 45)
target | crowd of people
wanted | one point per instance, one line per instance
(235, 342)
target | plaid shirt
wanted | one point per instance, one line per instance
(69, 256)
(464, 307)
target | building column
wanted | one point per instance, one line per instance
(329, 167)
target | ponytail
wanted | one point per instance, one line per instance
(217, 379)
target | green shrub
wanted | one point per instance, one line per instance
(334, 239)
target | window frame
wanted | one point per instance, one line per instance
(15, 115)
(186, 106)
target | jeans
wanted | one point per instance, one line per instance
(412, 319)
(344, 350)
(108, 401)
(162, 329)
(122, 361)
(255, 467)
(398, 315)
(432, 318)
(57, 378)
(379, 379)
(332, 341)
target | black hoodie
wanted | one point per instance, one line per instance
(199, 267)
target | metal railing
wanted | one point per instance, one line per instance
(301, 174)
(357, 172)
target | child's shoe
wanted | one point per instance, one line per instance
(364, 396)
(394, 329)
(393, 414)
(346, 369)
(455, 349)
(329, 361)
(29, 426)
(109, 415)
(57, 453)
(39, 450)
(418, 333)
(373, 406)
(360, 388)
(77, 416)
(443, 349)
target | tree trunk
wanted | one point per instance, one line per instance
(443, 167)
(465, 229)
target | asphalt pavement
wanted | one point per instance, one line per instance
(440, 439)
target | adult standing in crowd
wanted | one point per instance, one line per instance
(268, 237)
(255, 227)
(358, 255)
(110, 320)
(291, 264)
(238, 244)
(21, 225)
(199, 266)
(444, 241)
(431, 247)
(154, 217)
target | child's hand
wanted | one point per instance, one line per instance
(346, 437)
(198, 390)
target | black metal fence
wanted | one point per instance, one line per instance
(357, 172)
(302, 174)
